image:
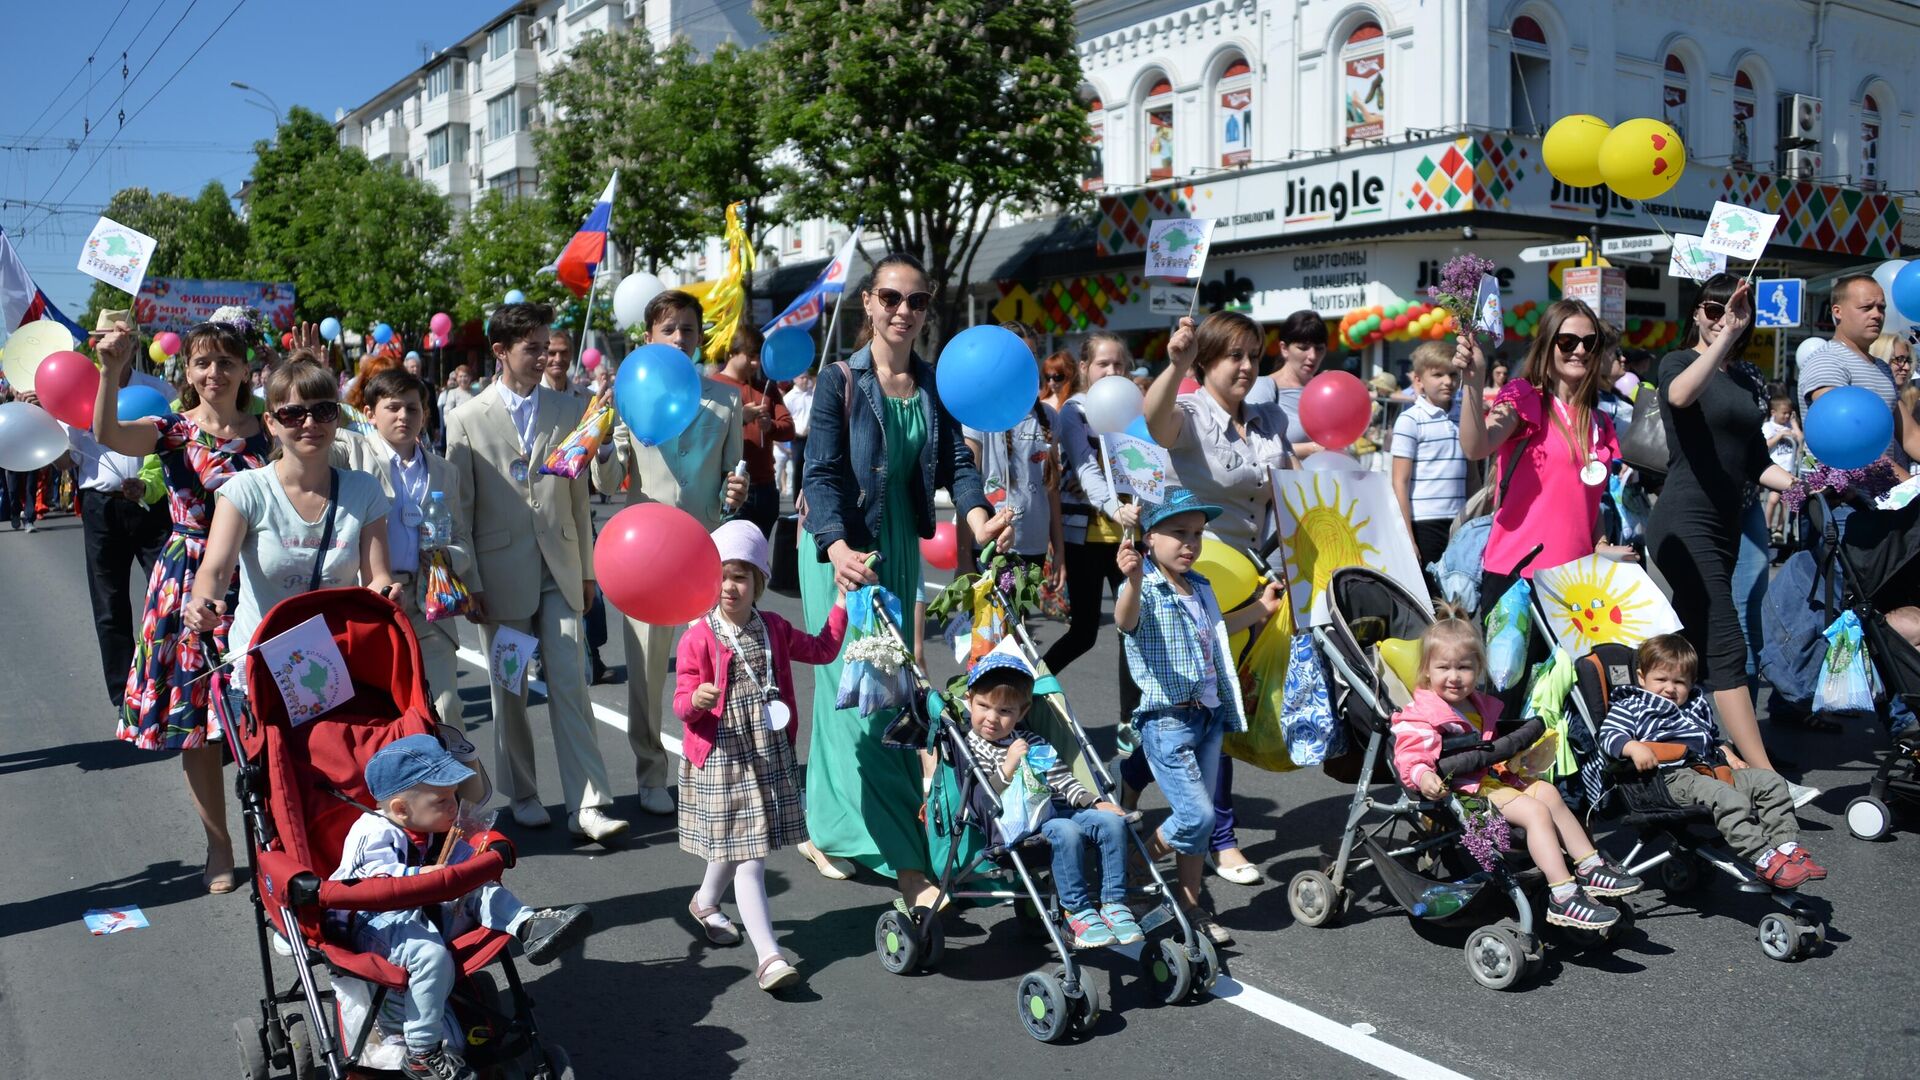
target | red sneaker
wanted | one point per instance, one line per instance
(1815, 872)
(1782, 872)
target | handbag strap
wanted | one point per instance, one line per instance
(326, 534)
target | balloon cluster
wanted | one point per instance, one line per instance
(1650, 333)
(1401, 320)
(1523, 319)
(1641, 159)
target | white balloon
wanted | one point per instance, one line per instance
(1113, 404)
(631, 296)
(30, 438)
(1807, 347)
(1333, 461)
(29, 345)
(1896, 323)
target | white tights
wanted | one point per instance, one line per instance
(749, 893)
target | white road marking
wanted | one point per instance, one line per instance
(1357, 1042)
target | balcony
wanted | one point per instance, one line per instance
(388, 143)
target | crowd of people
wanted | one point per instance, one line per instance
(263, 484)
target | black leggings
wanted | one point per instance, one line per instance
(1090, 569)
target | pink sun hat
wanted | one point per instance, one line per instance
(741, 540)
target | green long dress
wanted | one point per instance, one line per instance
(863, 800)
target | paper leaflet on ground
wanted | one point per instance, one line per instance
(1693, 262)
(1738, 231)
(1177, 247)
(306, 665)
(117, 255)
(1328, 520)
(1141, 468)
(511, 655)
(1597, 601)
(101, 921)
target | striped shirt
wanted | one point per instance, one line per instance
(1638, 715)
(1836, 364)
(1425, 434)
(1060, 779)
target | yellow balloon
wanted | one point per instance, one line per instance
(28, 346)
(155, 353)
(1642, 159)
(1572, 149)
(1233, 576)
(1403, 659)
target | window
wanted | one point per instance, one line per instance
(551, 40)
(1745, 108)
(1869, 174)
(1235, 124)
(1157, 138)
(1092, 176)
(503, 116)
(460, 136)
(438, 153)
(503, 39)
(1363, 62)
(448, 76)
(1530, 98)
(1674, 96)
(576, 5)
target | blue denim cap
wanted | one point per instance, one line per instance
(410, 762)
(996, 660)
(1179, 501)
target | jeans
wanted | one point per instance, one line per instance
(1750, 583)
(409, 941)
(1137, 774)
(1182, 747)
(1069, 832)
(25, 490)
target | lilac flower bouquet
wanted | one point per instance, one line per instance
(1486, 833)
(1869, 483)
(1460, 285)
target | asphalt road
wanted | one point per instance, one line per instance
(90, 823)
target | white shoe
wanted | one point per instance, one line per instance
(656, 800)
(1244, 874)
(1802, 794)
(529, 814)
(830, 868)
(593, 823)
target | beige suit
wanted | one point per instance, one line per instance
(439, 641)
(690, 473)
(533, 554)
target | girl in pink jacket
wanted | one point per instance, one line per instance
(1446, 702)
(739, 800)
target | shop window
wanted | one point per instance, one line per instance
(1530, 98)
(1363, 75)
(1156, 136)
(1234, 125)
(1673, 100)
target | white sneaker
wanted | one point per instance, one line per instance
(656, 800)
(529, 814)
(1802, 794)
(593, 823)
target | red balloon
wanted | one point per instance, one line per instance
(942, 549)
(1189, 386)
(1335, 408)
(656, 564)
(67, 383)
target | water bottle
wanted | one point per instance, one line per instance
(436, 532)
(1444, 898)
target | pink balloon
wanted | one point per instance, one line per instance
(67, 383)
(1189, 386)
(656, 564)
(590, 358)
(1335, 408)
(942, 549)
(168, 341)
(442, 323)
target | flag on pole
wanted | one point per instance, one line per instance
(21, 301)
(576, 265)
(806, 308)
(727, 300)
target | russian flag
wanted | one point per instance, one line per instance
(808, 306)
(21, 301)
(576, 265)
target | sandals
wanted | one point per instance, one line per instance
(776, 974)
(223, 882)
(1244, 874)
(718, 933)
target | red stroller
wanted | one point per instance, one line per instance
(301, 788)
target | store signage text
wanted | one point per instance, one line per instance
(1320, 201)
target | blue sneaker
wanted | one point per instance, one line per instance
(1120, 919)
(1090, 931)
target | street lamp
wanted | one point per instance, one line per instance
(270, 105)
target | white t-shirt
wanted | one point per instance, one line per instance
(276, 558)
(1197, 611)
(1786, 452)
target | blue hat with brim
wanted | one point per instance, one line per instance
(998, 660)
(1179, 501)
(410, 762)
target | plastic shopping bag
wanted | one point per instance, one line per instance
(1848, 682)
(877, 678)
(442, 596)
(1313, 732)
(1508, 626)
(1024, 805)
(1263, 680)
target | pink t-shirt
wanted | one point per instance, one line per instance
(1546, 504)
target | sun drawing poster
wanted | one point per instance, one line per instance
(1596, 601)
(1330, 520)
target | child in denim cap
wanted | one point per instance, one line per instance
(1176, 646)
(999, 693)
(412, 781)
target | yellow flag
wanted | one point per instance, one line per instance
(726, 300)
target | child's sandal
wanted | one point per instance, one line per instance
(718, 933)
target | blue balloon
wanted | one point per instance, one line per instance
(515, 296)
(1849, 427)
(330, 328)
(1138, 429)
(382, 333)
(1904, 296)
(787, 353)
(139, 402)
(988, 378)
(657, 392)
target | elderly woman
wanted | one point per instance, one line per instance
(879, 443)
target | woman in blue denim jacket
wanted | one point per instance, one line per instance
(874, 458)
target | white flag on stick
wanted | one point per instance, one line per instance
(307, 667)
(511, 656)
(1177, 247)
(117, 255)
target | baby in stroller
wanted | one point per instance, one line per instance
(412, 781)
(999, 693)
(1664, 723)
(1452, 660)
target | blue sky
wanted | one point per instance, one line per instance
(198, 128)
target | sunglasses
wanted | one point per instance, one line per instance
(1567, 343)
(323, 412)
(1713, 310)
(1056, 377)
(892, 298)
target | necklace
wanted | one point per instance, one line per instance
(1592, 472)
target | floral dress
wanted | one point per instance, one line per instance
(166, 708)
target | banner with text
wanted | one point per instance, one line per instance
(177, 304)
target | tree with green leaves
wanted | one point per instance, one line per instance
(498, 248)
(928, 118)
(200, 237)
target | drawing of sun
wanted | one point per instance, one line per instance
(1593, 602)
(1328, 533)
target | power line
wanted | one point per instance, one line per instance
(68, 111)
(91, 53)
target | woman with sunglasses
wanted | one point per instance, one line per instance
(213, 439)
(1058, 380)
(879, 443)
(1713, 405)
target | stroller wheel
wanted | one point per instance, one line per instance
(1868, 818)
(1083, 1008)
(1781, 938)
(251, 1038)
(1043, 1006)
(898, 942)
(1313, 899)
(1681, 873)
(1495, 957)
(1167, 970)
(1208, 970)
(300, 1047)
(558, 1066)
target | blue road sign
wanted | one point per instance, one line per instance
(1777, 302)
